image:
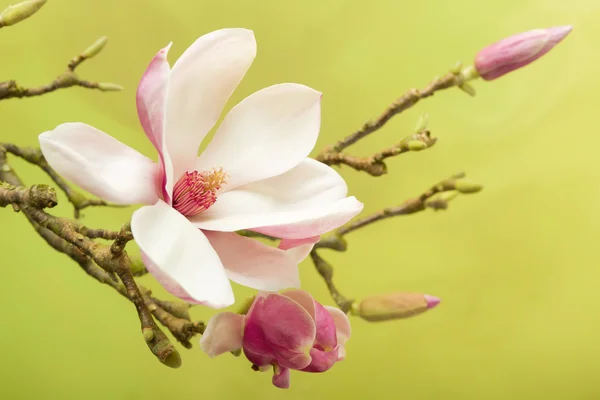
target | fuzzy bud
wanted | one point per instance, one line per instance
(467, 187)
(17, 13)
(393, 306)
(95, 48)
(517, 51)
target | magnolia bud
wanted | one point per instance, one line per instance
(517, 51)
(95, 48)
(416, 145)
(467, 187)
(109, 87)
(17, 13)
(393, 306)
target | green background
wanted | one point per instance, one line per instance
(516, 266)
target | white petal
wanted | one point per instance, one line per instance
(201, 82)
(182, 254)
(223, 333)
(151, 102)
(100, 164)
(307, 201)
(254, 264)
(265, 135)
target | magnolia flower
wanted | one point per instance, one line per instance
(254, 174)
(517, 51)
(284, 331)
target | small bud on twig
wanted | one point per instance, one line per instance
(95, 48)
(17, 13)
(393, 306)
(109, 87)
(468, 187)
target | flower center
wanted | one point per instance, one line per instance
(196, 191)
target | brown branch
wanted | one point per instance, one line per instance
(123, 237)
(420, 203)
(64, 236)
(11, 89)
(410, 98)
(34, 156)
(326, 271)
(182, 328)
(375, 165)
(37, 196)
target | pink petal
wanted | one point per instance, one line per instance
(278, 326)
(100, 164)
(343, 329)
(259, 360)
(299, 253)
(254, 264)
(201, 82)
(303, 298)
(321, 360)
(182, 254)
(151, 100)
(326, 336)
(267, 134)
(287, 244)
(281, 377)
(223, 334)
(305, 202)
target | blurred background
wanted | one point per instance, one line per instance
(515, 265)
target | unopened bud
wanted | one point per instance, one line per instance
(109, 87)
(95, 48)
(517, 51)
(416, 145)
(467, 187)
(393, 306)
(17, 13)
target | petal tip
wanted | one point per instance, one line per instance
(432, 301)
(558, 33)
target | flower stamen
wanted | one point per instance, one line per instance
(196, 191)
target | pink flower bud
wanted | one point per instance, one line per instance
(286, 331)
(517, 51)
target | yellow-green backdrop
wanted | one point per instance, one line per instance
(516, 266)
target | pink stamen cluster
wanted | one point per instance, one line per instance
(196, 191)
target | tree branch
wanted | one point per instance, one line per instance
(410, 98)
(11, 89)
(37, 196)
(374, 165)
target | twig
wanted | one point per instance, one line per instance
(11, 89)
(410, 98)
(416, 204)
(375, 165)
(181, 328)
(124, 236)
(326, 272)
(35, 157)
